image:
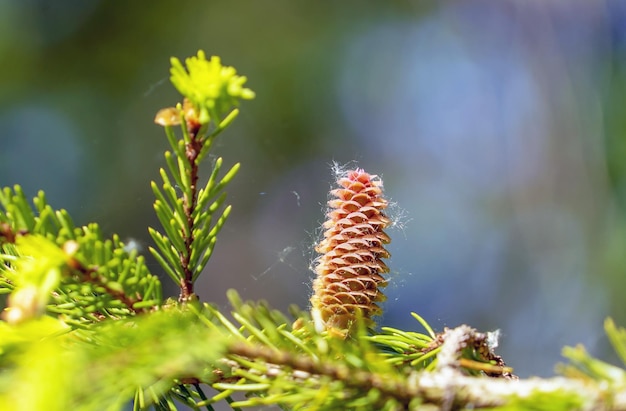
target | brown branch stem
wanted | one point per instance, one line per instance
(352, 378)
(192, 150)
(90, 274)
(446, 388)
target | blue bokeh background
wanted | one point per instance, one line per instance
(499, 128)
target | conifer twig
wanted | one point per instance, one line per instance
(192, 150)
(91, 275)
(211, 93)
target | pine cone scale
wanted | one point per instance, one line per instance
(349, 269)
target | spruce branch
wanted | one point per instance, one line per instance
(269, 357)
(97, 278)
(309, 370)
(86, 327)
(211, 92)
(92, 276)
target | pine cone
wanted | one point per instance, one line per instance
(350, 267)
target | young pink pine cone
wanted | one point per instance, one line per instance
(350, 266)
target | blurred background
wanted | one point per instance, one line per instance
(499, 128)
